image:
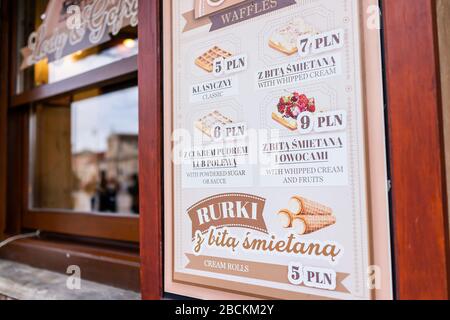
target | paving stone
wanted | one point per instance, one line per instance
(22, 282)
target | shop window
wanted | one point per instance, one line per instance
(75, 97)
(70, 51)
(86, 60)
(443, 23)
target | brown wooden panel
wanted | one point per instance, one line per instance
(13, 24)
(150, 147)
(16, 193)
(416, 149)
(115, 72)
(4, 90)
(118, 228)
(52, 175)
(118, 268)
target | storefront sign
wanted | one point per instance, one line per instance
(70, 26)
(268, 193)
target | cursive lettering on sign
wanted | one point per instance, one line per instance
(97, 19)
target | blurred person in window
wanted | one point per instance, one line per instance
(133, 190)
(107, 194)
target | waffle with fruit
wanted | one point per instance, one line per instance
(290, 107)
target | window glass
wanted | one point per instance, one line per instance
(85, 152)
(86, 60)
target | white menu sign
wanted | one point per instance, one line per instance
(269, 151)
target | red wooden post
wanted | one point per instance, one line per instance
(4, 93)
(416, 149)
(150, 148)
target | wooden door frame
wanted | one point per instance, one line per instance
(150, 148)
(4, 95)
(419, 202)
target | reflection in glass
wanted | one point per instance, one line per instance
(90, 59)
(31, 15)
(86, 153)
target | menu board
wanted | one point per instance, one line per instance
(269, 182)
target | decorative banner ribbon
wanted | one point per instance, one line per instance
(228, 210)
(236, 14)
(252, 270)
(207, 7)
(192, 22)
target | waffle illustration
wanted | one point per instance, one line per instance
(285, 38)
(208, 122)
(290, 107)
(305, 216)
(288, 123)
(286, 49)
(206, 60)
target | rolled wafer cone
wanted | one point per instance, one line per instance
(308, 224)
(285, 218)
(295, 207)
(308, 207)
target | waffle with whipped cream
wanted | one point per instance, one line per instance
(285, 38)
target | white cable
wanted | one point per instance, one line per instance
(20, 237)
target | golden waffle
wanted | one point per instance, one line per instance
(206, 60)
(291, 125)
(281, 48)
(285, 38)
(208, 122)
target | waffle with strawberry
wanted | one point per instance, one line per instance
(290, 107)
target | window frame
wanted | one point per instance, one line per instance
(4, 80)
(75, 223)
